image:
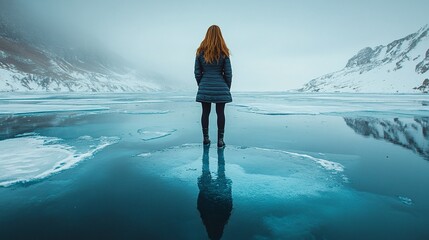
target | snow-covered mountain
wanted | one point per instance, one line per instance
(398, 67)
(37, 63)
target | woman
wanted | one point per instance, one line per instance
(213, 74)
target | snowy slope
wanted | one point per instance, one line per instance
(398, 67)
(27, 65)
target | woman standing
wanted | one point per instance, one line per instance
(213, 74)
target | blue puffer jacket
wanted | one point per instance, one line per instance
(214, 80)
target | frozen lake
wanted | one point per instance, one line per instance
(296, 166)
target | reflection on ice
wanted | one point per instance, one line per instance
(12, 125)
(215, 196)
(29, 158)
(410, 133)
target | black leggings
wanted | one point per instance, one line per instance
(220, 107)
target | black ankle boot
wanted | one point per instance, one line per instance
(206, 140)
(220, 142)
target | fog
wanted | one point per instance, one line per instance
(275, 45)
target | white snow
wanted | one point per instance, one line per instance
(379, 75)
(29, 158)
(328, 165)
(73, 80)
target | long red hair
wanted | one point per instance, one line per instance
(213, 45)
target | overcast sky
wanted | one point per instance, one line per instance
(275, 45)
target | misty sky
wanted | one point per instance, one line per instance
(275, 45)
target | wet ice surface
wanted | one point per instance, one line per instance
(229, 176)
(332, 104)
(288, 175)
(296, 166)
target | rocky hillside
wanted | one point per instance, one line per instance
(32, 62)
(398, 67)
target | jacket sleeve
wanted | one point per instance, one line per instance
(227, 72)
(198, 70)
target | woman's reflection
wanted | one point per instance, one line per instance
(215, 197)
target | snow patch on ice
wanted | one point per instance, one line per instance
(328, 165)
(146, 154)
(85, 137)
(152, 133)
(30, 158)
